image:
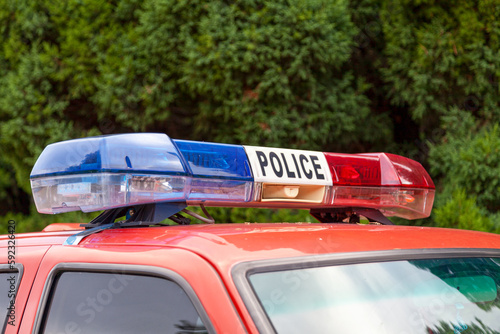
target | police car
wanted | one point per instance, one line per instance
(141, 267)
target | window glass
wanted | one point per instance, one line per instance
(421, 296)
(8, 287)
(86, 302)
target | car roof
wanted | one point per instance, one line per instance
(228, 244)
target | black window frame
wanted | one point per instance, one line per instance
(242, 271)
(113, 268)
(9, 268)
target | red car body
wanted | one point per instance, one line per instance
(206, 256)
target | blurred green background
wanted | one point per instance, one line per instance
(418, 78)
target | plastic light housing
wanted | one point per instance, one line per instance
(220, 172)
(396, 185)
(101, 173)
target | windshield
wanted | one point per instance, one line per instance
(420, 296)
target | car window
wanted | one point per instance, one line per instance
(420, 296)
(89, 302)
(8, 289)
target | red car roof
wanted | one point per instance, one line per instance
(227, 244)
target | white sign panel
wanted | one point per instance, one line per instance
(278, 165)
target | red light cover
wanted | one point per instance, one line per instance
(396, 185)
(377, 169)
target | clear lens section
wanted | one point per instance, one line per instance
(293, 193)
(409, 203)
(101, 191)
(208, 190)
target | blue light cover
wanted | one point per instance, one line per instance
(100, 173)
(215, 160)
(104, 172)
(220, 171)
(140, 152)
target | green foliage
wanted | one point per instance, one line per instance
(461, 211)
(36, 221)
(467, 162)
(443, 54)
(250, 215)
(48, 74)
(267, 72)
(469, 159)
(408, 76)
(254, 72)
(443, 66)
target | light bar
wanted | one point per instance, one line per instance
(107, 172)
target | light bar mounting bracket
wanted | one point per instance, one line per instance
(340, 215)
